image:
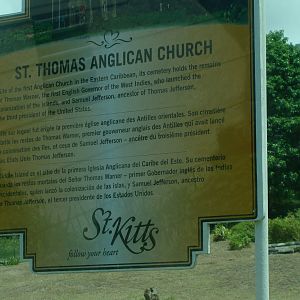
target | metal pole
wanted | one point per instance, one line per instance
(262, 260)
(261, 226)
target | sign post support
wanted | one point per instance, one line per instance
(261, 226)
(262, 261)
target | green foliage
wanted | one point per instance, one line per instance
(238, 242)
(242, 234)
(286, 229)
(11, 261)
(15, 38)
(281, 230)
(236, 13)
(244, 228)
(9, 250)
(151, 6)
(43, 32)
(283, 94)
(218, 5)
(221, 233)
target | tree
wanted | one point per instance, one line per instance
(219, 5)
(283, 96)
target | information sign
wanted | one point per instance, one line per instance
(123, 127)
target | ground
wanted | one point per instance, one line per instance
(222, 275)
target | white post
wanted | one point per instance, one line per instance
(261, 226)
(262, 259)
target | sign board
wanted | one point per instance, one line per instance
(123, 128)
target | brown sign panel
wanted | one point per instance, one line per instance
(123, 127)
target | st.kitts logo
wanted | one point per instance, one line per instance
(137, 236)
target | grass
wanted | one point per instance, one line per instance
(222, 275)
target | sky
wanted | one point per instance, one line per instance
(10, 6)
(284, 14)
(280, 14)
